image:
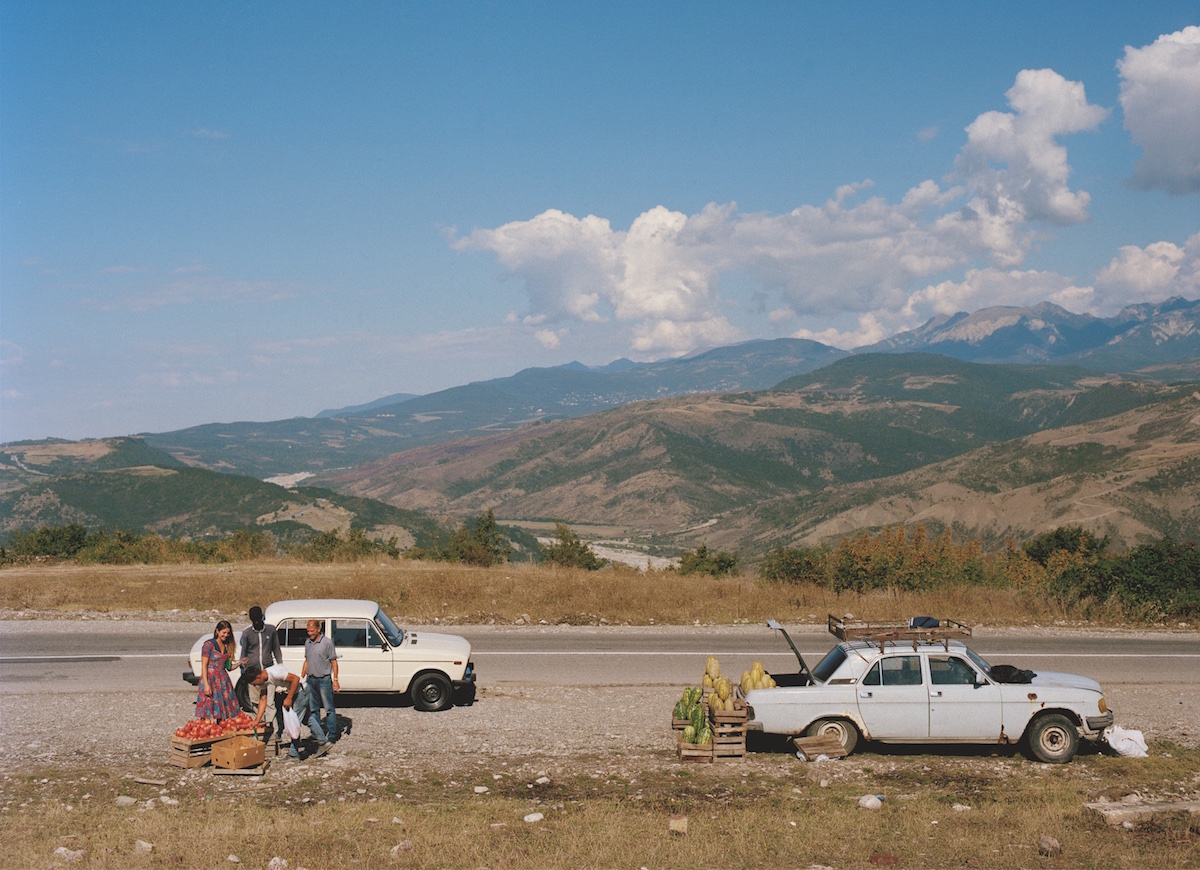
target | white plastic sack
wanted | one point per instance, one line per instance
(1126, 741)
(291, 723)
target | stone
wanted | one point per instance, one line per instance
(1049, 847)
(143, 846)
(678, 825)
(71, 856)
(869, 802)
(534, 817)
(125, 800)
(402, 847)
(884, 859)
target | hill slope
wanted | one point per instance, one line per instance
(670, 465)
(102, 484)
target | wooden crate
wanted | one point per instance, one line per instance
(678, 724)
(729, 733)
(814, 747)
(691, 752)
(197, 752)
(190, 753)
(729, 717)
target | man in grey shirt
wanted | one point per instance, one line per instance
(321, 670)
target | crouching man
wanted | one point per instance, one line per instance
(277, 678)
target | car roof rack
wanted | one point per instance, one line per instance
(917, 630)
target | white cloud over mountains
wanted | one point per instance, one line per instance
(861, 259)
(1160, 96)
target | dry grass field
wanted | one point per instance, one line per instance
(424, 592)
(972, 812)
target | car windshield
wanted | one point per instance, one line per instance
(828, 665)
(395, 634)
(979, 662)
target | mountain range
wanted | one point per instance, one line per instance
(747, 446)
(1159, 341)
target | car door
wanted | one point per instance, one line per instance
(893, 700)
(364, 661)
(963, 705)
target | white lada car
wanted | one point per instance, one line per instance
(374, 654)
(919, 683)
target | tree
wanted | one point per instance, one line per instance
(570, 552)
(701, 560)
(1070, 539)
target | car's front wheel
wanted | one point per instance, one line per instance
(432, 692)
(842, 729)
(1053, 738)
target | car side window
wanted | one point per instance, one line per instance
(872, 677)
(349, 633)
(292, 632)
(374, 639)
(901, 670)
(951, 671)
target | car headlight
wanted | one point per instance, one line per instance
(1103, 705)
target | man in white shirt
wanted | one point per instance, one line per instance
(277, 678)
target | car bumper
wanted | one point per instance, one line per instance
(189, 677)
(468, 678)
(1096, 724)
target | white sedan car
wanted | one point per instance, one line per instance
(921, 684)
(374, 654)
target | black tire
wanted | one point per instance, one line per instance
(432, 692)
(1052, 738)
(842, 729)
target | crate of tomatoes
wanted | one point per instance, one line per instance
(191, 745)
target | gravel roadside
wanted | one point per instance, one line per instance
(533, 728)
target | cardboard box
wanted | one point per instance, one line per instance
(239, 752)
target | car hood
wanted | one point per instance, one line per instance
(1073, 681)
(431, 643)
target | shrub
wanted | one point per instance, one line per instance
(794, 565)
(570, 552)
(1069, 539)
(331, 547)
(477, 542)
(62, 542)
(715, 563)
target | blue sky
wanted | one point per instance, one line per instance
(252, 211)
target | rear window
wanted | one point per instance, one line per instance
(828, 666)
(293, 632)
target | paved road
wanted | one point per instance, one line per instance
(76, 656)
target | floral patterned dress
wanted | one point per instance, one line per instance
(223, 704)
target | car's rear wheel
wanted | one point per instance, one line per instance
(1053, 738)
(842, 729)
(432, 692)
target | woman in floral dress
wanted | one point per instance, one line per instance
(216, 698)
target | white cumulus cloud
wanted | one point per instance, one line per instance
(1158, 270)
(853, 256)
(1014, 160)
(1160, 96)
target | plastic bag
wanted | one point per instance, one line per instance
(1126, 741)
(291, 723)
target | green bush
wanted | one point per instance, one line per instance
(716, 563)
(794, 565)
(570, 552)
(1068, 539)
(477, 542)
(332, 547)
